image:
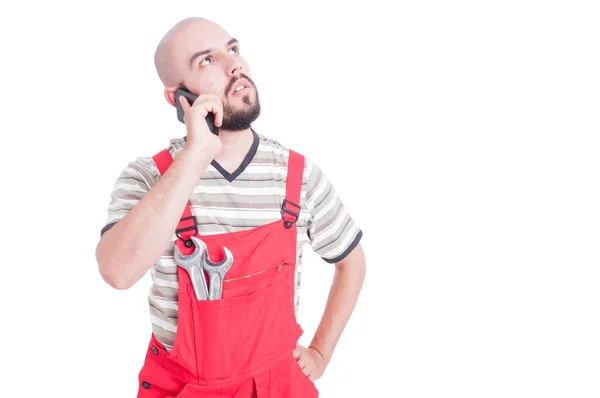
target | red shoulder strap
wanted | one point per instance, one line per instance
(187, 225)
(163, 160)
(290, 208)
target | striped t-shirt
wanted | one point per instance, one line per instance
(246, 199)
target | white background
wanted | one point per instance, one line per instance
(462, 136)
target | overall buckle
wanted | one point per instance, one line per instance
(188, 242)
(288, 223)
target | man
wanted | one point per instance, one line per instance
(237, 195)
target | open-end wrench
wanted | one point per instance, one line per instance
(196, 262)
(216, 273)
(193, 265)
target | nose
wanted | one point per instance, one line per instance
(235, 66)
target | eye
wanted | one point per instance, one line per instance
(205, 61)
(235, 49)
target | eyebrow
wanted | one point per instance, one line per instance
(204, 52)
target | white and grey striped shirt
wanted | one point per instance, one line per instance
(224, 202)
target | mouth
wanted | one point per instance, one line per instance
(241, 87)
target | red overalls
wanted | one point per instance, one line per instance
(241, 345)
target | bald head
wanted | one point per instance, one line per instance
(201, 57)
(173, 41)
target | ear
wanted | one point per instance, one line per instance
(170, 94)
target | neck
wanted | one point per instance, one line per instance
(234, 144)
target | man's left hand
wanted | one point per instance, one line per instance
(310, 361)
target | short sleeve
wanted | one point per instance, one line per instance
(332, 232)
(134, 181)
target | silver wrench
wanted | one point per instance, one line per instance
(216, 273)
(198, 261)
(192, 264)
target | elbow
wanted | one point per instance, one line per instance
(114, 279)
(111, 272)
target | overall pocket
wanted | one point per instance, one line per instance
(263, 323)
(211, 341)
(253, 323)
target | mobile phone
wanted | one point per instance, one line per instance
(210, 118)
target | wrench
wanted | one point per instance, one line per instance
(198, 261)
(216, 273)
(192, 264)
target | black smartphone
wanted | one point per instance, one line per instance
(210, 118)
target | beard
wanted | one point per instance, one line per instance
(235, 118)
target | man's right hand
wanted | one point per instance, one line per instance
(199, 136)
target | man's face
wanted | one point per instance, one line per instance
(209, 61)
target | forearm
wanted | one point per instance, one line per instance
(130, 247)
(345, 289)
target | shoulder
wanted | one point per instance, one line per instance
(272, 148)
(145, 168)
(175, 146)
(275, 151)
(141, 169)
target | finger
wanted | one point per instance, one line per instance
(184, 103)
(216, 108)
(219, 117)
(301, 363)
(204, 108)
(210, 105)
(306, 370)
(296, 353)
(218, 111)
